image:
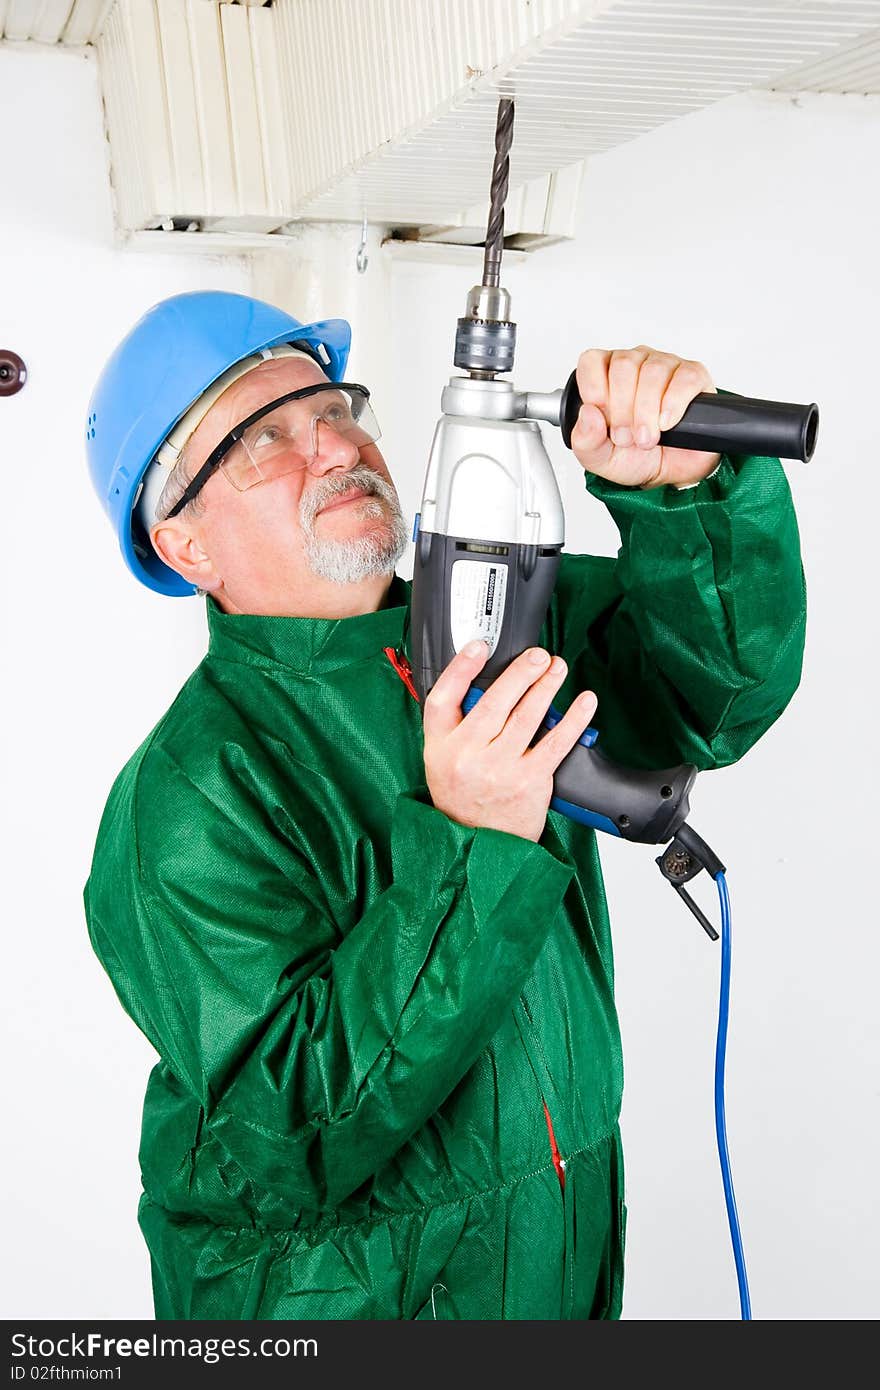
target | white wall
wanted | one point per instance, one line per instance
(91, 661)
(745, 236)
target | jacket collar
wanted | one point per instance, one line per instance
(308, 645)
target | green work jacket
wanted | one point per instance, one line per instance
(389, 1073)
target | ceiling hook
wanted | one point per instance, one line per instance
(362, 259)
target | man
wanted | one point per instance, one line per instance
(376, 969)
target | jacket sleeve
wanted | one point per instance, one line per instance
(693, 637)
(316, 1055)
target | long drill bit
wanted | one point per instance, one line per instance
(498, 194)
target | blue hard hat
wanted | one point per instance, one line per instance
(171, 356)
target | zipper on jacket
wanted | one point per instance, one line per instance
(523, 1021)
(403, 669)
(558, 1162)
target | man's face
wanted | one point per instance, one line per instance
(321, 541)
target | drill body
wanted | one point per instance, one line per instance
(488, 540)
(488, 535)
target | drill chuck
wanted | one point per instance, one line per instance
(483, 345)
(485, 338)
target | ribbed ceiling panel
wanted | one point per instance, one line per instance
(585, 77)
(71, 22)
(246, 117)
(192, 101)
(854, 69)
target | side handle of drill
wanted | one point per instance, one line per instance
(725, 423)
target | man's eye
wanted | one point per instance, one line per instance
(269, 434)
(338, 415)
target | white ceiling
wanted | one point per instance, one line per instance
(854, 67)
(394, 116)
(71, 22)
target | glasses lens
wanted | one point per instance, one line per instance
(290, 436)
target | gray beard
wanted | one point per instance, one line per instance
(361, 557)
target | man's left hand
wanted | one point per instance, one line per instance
(629, 396)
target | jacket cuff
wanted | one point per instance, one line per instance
(496, 860)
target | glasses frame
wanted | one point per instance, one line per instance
(217, 455)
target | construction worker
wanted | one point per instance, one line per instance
(377, 971)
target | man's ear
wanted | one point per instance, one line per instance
(176, 544)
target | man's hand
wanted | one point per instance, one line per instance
(629, 396)
(479, 766)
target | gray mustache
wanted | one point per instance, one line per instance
(360, 478)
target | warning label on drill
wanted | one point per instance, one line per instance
(478, 594)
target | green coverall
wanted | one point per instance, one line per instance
(390, 1069)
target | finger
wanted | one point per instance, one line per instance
(441, 712)
(527, 716)
(592, 378)
(623, 375)
(687, 381)
(654, 376)
(552, 747)
(489, 715)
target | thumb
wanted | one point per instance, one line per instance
(589, 435)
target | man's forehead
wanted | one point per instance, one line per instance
(274, 377)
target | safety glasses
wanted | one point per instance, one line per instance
(288, 434)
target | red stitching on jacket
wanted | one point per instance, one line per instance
(558, 1163)
(403, 669)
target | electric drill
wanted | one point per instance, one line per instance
(490, 529)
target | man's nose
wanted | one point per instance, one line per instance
(331, 450)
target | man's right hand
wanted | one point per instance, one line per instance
(480, 768)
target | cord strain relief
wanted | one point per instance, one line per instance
(696, 845)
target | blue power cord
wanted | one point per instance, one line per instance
(720, 1127)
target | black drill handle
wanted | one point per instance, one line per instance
(646, 806)
(725, 424)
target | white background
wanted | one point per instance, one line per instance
(746, 236)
